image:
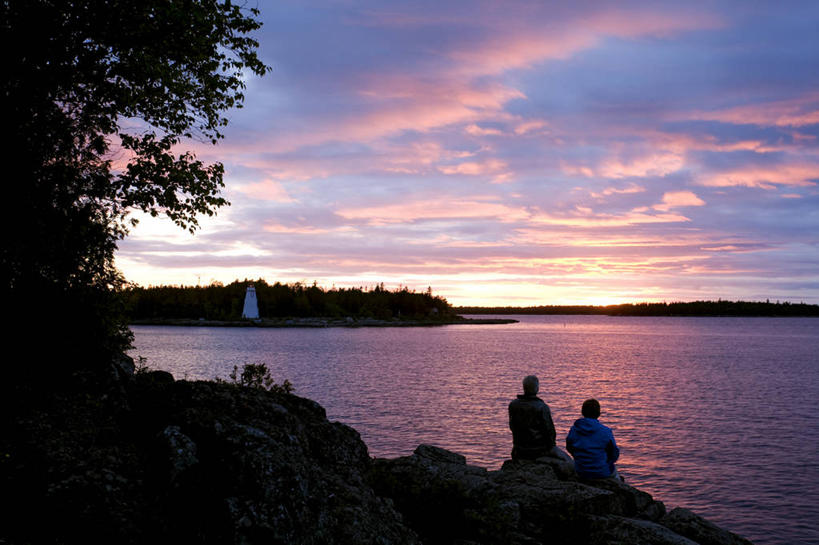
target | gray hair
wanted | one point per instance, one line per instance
(530, 385)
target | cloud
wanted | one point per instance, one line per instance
(449, 209)
(475, 130)
(798, 111)
(585, 217)
(278, 228)
(495, 168)
(524, 151)
(268, 190)
(520, 45)
(763, 177)
(611, 190)
(676, 199)
(656, 164)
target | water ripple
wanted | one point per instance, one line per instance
(714, 414)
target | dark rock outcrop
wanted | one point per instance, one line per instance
(447, 501)
(151, 460)
(696, 528)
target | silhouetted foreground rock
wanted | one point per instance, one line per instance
(156, 460)
(447, 501)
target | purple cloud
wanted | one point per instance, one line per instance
(524, 155)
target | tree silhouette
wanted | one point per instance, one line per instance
(99, 95)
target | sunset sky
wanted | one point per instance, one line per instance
(518, 153)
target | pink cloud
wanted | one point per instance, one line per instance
(764, 177)
(607, 238)
(401, 103)
(433, 210)
(514, 46)
(585, 217)
(676, 199)
(458, 88)
(475, 168)
(526, 127)
(681, 143)
(576, 170)
(661, 162)
(268, 190)
(793, 112)
(304, 229)
(655, 164)
(475, 130)
(629, 189)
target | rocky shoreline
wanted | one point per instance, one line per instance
(152, 459)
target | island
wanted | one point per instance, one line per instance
(255, 303)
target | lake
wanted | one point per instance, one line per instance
(715, 414)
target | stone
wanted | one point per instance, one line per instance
(180, 451)
(445, 500)
(614, 529)
(696, 528)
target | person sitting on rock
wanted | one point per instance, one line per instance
(592, 445)
(533, 432)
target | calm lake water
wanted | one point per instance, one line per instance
(715, 414)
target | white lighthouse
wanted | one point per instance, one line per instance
(251, 309)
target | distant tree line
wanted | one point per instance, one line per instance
(225, 302)
(694, 308)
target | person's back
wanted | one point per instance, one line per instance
(533, 433)
(592, 445)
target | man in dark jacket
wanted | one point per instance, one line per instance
(533, 432)
(592, 445)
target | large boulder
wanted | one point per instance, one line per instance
(446, 500)
(265, 468)
(190, 462)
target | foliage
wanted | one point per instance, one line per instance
(693, 308)
(217, 302)
(257, 375)
(142, 367)
(99, 95)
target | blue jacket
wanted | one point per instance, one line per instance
(593, 448)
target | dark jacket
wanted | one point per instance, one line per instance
(533, 432)
(593, 447)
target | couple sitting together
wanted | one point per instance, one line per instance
(533, 434)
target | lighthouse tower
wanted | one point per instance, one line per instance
(251, 308)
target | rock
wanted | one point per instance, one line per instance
(696, 528)
(614, 529)
(445, 500)
(124, 364)
(161, 460)
(179, 451)
(158, 377)
(631, 502)
(269, 468)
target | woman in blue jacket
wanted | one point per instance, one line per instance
(592, 445)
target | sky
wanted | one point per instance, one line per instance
(518, 153)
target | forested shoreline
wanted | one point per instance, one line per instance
(693, 308)
(224, 302)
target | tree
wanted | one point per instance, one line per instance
(99, 95)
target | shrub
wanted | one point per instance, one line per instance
(257, 375)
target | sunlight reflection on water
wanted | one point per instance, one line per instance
(714, 414)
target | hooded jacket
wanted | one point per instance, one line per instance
(533, 432)
(593, 447)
